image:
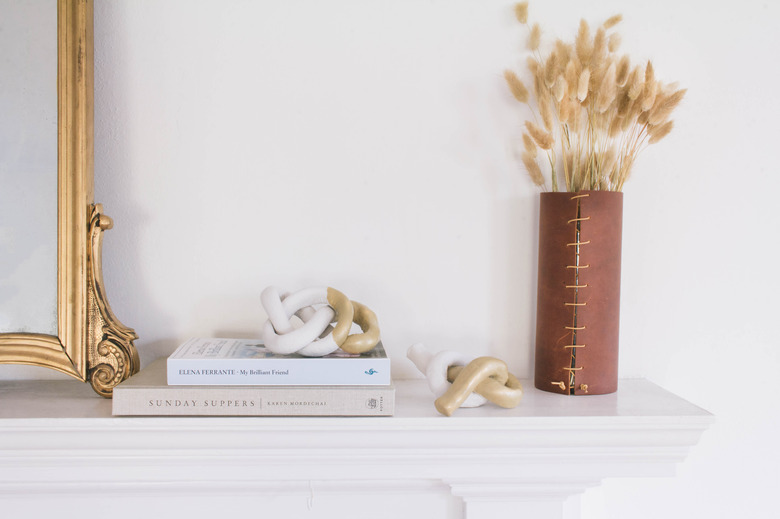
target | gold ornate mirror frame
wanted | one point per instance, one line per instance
(91, 344)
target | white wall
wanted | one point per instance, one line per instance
(367, 145)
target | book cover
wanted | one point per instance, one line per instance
(237, 362)
(147, 394)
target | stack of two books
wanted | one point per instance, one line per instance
(236, 377)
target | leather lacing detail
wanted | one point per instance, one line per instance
(572, 368)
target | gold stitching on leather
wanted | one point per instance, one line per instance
(575, 325)
(560, 384)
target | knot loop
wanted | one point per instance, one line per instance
(318, 308)
(464, 381)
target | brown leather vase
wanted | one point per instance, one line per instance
(578, 297)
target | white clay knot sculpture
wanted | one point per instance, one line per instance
(317, 308)
(460, 380)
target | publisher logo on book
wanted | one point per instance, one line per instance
(375, 403)
(370, 371)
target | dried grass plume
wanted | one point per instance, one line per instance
(593, 110)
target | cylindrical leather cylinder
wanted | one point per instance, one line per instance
(578, 295)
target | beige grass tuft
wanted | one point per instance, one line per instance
(521, 12)
(657, 133)
(583, 43)
(636, 83)
(516, 86)
(614, 42)
(535, 38)
(599, 47)
(623, 70)
(582, 85)
(559, 88)
(608, 90)
(664, 106)
(545, 110)
(529, 145)
(542, 138)
(613, 21)
(551, 69)
(534, 171)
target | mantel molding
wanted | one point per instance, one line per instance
(532, 458)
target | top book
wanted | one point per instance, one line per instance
(235, 362)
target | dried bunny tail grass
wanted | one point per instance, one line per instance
(529, 145)
(656, 133)
(533, 169)
(533, 65)
(565, 107)
(647, 99)
(583, 45)
(613, 21)
(572, 76)
(521, 12)
(670, 88)
(551, 69)
(516, 86)
(624, 103)
(574, 121)
(542, 138)
(535, 37)
(614, 42)
(649, 72)
(643, 118)
(664, 106)
(636, 84)
(623, 70)
(599, 47)
(545, 110)
(651, 87)
(563, 50)
(559, 88)
(540, 90)
(582, 85)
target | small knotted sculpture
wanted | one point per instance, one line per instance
(463, 381)
(317, 308)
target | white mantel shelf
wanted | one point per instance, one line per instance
(58, 438)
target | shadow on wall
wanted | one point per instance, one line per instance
(515, 233)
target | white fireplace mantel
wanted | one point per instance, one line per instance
(59, 440)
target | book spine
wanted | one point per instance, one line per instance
(276, 401)
(278, 372)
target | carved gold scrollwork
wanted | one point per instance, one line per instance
(112, 357)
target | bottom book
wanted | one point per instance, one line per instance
(147, 393)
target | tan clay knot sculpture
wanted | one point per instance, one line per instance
(317, 308)
(462, 381)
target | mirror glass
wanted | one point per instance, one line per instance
(28, 166)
